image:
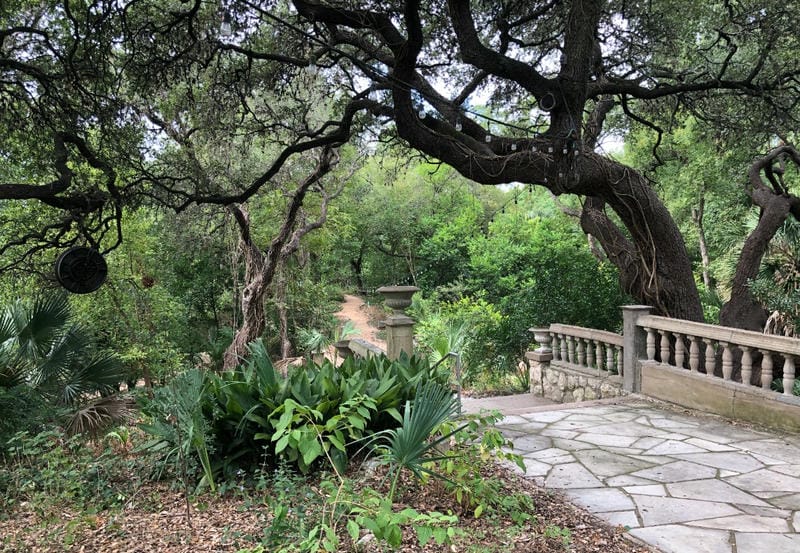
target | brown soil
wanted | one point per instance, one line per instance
(155, 521)
(364, 317)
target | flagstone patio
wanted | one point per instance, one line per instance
(683, 482)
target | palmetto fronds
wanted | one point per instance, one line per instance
(40, 347)
(99, 415)
(414, 444)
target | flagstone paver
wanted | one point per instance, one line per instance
(682, 483)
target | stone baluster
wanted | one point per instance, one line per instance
(664, 346)
(651, 343)
(581, 352)
(766, 369)
(556, 347)
(788, 374)
(571, 349)
(610, 357)
(589, 354)
(562, 339)
(727, 360)
(711, 360)
(747, 365)
(694, 353)
(598, 355)
(680, 350)
(620, 360)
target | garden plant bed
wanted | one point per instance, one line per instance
(154, 520)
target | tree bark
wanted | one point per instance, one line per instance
(260, 268)
(742, 310)
(283, 316)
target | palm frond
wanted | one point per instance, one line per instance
(65, 355)
(410, 446)
(8, 328)
(101, 374)
(43, 324)
(99, 415)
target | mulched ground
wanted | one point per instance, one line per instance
(155, 520)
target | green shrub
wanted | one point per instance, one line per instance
(317, 413)
(23, 409)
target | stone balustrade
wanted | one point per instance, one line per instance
(587, 348)
(749, 358)
(716, 369)
(574, 363)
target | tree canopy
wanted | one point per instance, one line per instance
(115, 103)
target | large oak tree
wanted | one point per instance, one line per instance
(503, 91)
(556, 70)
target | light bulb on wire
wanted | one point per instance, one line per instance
(225, 28)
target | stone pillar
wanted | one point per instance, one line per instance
(399, 326)
(634, 346)
(539, 359)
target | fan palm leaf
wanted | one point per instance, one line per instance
(39, 328)
(39, 347)
(99, 415)
(101, 374)
(410, 446)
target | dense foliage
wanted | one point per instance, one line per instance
(253, 415)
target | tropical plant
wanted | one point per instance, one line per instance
(42, 349)
(178, 425)
(777, 286)
(410, 446)
(253, 415)
(315, 342)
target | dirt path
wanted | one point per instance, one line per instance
(364, 317)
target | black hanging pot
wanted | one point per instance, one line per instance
(81, 270)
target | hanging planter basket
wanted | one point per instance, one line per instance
(81, 270)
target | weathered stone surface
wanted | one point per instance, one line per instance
(668, 510)
(599, 500)
(674, 538)
(682, 483)
(774, 543)
(744, 523)
(608, 390)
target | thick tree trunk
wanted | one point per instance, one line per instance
(742, 310)
(652, 259)
(252, 296)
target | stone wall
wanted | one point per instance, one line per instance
(571, 384)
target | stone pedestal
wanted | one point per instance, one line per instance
(399, 326)
(399, 336)
(538, 363)
(634, 346)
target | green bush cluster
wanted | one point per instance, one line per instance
(252, 416)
